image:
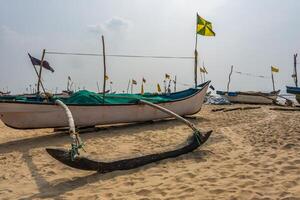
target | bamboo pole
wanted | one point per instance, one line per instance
(196, 55)
(295, 69)
(128, 87)
(272, 80)
(169, 112)
(40, 73)
(175, 82)
(37, 74)
(229, 78)
(104, 65)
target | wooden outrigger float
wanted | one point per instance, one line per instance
(73, 159)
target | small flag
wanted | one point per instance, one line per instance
(142, 89)
(69, 78)
(106, 77)
(274, 69)
(144, 80)
(36, 61)
(205, 70)
(293, 75)
(158, 88)
(204, 27)
(134, 82)
(202, 70)
(211, 87)
(167, 76)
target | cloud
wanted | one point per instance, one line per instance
(115, 24)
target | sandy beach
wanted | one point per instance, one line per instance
(252, 154)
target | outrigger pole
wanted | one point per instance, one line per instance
(71, 157)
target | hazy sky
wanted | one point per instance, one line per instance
(252, 35)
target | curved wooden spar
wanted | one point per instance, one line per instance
(85, 163)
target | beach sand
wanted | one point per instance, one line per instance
(252, 154)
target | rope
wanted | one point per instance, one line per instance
(253, 75)
(117, 55)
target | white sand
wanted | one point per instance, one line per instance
(252, 154)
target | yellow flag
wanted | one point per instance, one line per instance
(202, 70)
(106, 77)
(274, 69)
(204, 27)
(142, 89)
(205, 70)
(134, 82)
(158, 88)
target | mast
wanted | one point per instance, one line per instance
(272, 79)
(40, 73)
(229, 78)
(196, 55)
(295, 70)
(104, 65)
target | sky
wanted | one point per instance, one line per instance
(250, 35)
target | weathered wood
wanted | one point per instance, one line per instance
(229, 78)
(104, 70)
(40, 73)
(285, 109)
(272, 76)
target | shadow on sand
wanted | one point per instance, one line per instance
(48, 190)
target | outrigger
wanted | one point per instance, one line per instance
(72, 157)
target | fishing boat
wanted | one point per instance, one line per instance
(90, 109)
(294, 90)
(250, 97)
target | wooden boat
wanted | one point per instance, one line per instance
(294, 90)
(40, 114)
(250, 97)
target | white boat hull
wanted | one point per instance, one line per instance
(251, 99)
(39, 115)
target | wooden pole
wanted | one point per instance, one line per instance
(128, 86)
(98, 87)
(175, 82)
(196, 55)
(104, 65)
(272, 79)
(37, 74)
(40, 73)
(295, 69)
(229, 78)
(169, 112)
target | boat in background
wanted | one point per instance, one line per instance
(294, 90)
(250, 97)
(41, 114)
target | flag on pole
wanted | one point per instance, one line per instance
(204, 27)
(36, 61)
(69, 78)
(274, 69)
(203, 70)
(106, 77)
(134, 82)
(144, 80)
(167, 76)
(158, 88)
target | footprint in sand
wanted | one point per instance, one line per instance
(143, 192)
